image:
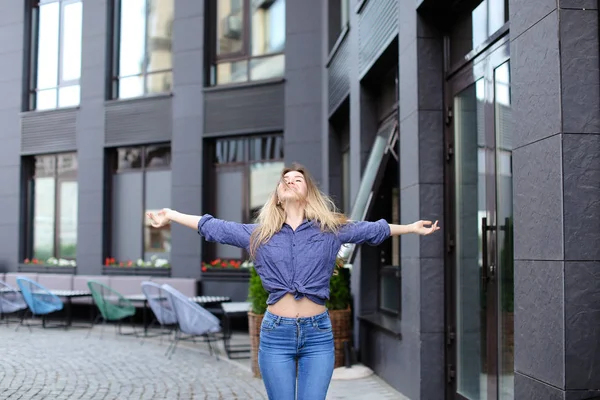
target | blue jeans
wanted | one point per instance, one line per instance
(309, 341)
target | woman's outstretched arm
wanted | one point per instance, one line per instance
(419, 227)
(166, 215)
(213, 229)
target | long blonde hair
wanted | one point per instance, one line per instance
(317, 207)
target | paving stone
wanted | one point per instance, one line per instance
(58, 364)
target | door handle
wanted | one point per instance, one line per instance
(484, 255)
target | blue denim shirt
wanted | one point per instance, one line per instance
(299, 262)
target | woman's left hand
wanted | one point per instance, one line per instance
(425, 227)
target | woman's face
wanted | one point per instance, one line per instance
(293, 189)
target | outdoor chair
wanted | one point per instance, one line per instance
(192, 320)
(159, 303)
(112, 307)
(40, 301)
(11, 301)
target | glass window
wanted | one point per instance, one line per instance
(144, 47)
(250, 40)
(54, 208)
(56, 46)
(246, 172)
(476, 26)
(141, 183)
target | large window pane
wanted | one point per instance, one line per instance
(68, 219)
(71, 42)
(131, 87)
(230, 26)
(389, 290)
(133, 35)
(43, 218)
(229, 195)
(263, 181)
(48, 40)
(267, 67)
(268, 27)
(157, 241)
(159, 36)
(127, 216)
(46, 99)
(232, 72)
(68, 96)
(160, 82)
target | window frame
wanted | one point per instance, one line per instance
(113, 61)
(245, 54)
(29, 173)
(112, 169)
(32, 32)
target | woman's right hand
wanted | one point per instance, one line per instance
(160, 218)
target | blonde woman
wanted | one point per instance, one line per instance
(294, 246)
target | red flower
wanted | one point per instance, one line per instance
(129, 263)
(35, 261)
(27, 261)
(121, 264)
(204, 269)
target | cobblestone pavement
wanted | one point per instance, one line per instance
(58, 364)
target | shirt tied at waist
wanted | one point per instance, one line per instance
(298, 290)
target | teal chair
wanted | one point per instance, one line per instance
(112, 306)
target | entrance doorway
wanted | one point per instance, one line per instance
(479, 196)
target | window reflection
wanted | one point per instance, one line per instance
(68, 219)
(263, 181)
(58, 64)
(267, 37)
(230, 26)
(71, 44)
(145, 57)
(47, 75)
(55, 207)
(268, 27)
(267, 67)
(476, 26)
(43, 219)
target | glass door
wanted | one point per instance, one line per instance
(480, 197)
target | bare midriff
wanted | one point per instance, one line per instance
(289, 307)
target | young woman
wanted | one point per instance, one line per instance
(294, 246)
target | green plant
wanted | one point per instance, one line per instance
(257, 295)
(339, 290)
(339, 287)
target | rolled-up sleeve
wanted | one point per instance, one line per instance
(359, 232)
(225, 232)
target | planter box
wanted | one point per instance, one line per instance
(46, 269)
(136, 271)
(225, 282)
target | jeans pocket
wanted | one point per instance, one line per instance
(268, 325)
(323, 325)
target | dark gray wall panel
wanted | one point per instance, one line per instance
(242, 110)
(338, 80)
(48, 131)
(188, 121)
(138, 121)
(377, 26)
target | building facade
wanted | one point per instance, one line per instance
(482, 114)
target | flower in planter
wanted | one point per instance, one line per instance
(223, 264)
(154, 262)
(51, 262)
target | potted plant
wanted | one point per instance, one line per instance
(339, 308)
(257, 296)
(51, 265)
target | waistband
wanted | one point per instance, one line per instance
(302, 320)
